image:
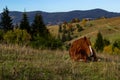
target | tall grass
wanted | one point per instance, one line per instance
(24, 63)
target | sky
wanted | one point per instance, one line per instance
(59, 5)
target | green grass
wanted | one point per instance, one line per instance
(21, 63)
(24, 63)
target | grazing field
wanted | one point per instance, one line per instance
(109, 27)
(24, 63)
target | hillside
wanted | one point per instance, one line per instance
(109, 27)
(26, 63)
(58, 17)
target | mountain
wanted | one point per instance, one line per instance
(55, 17)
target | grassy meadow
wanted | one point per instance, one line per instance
(109, 27)
(24, 63)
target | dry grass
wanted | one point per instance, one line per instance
(53, 29)
(22, 63)
(110, 29)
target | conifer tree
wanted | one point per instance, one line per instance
(6, 21)
(38, 26)
(99, 44)
(24, 24)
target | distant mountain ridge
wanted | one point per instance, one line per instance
(56, 17)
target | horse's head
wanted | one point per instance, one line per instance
(88, 48)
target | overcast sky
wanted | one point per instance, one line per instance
(59, 5)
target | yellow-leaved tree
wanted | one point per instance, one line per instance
(17, 36)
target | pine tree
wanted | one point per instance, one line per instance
(24, 24)
(6, 21)
(99, 44)
(38, 26)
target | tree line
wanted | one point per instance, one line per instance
(24, 33)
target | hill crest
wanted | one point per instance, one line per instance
(57, 17)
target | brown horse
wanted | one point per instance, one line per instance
(81, 50)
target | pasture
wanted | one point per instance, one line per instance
(24, 63)
(109, 27)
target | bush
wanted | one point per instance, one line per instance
(37, 42)
(79, 27)
(68, 36)
(46, 43)
(83, 23)
(54, 43)
(108, 49)
(116, 51)
(106, 42)
(116, 44)
(9, 37)
(17, 36)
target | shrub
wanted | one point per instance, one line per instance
(37, 42)
(108, 49)
(116, 51)
(79, 27)
(54, 43)
(106, 42)
(68, 37)
(46, 42)
(83, 23)
(17, 36)
(9, 37)
(116, 44)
